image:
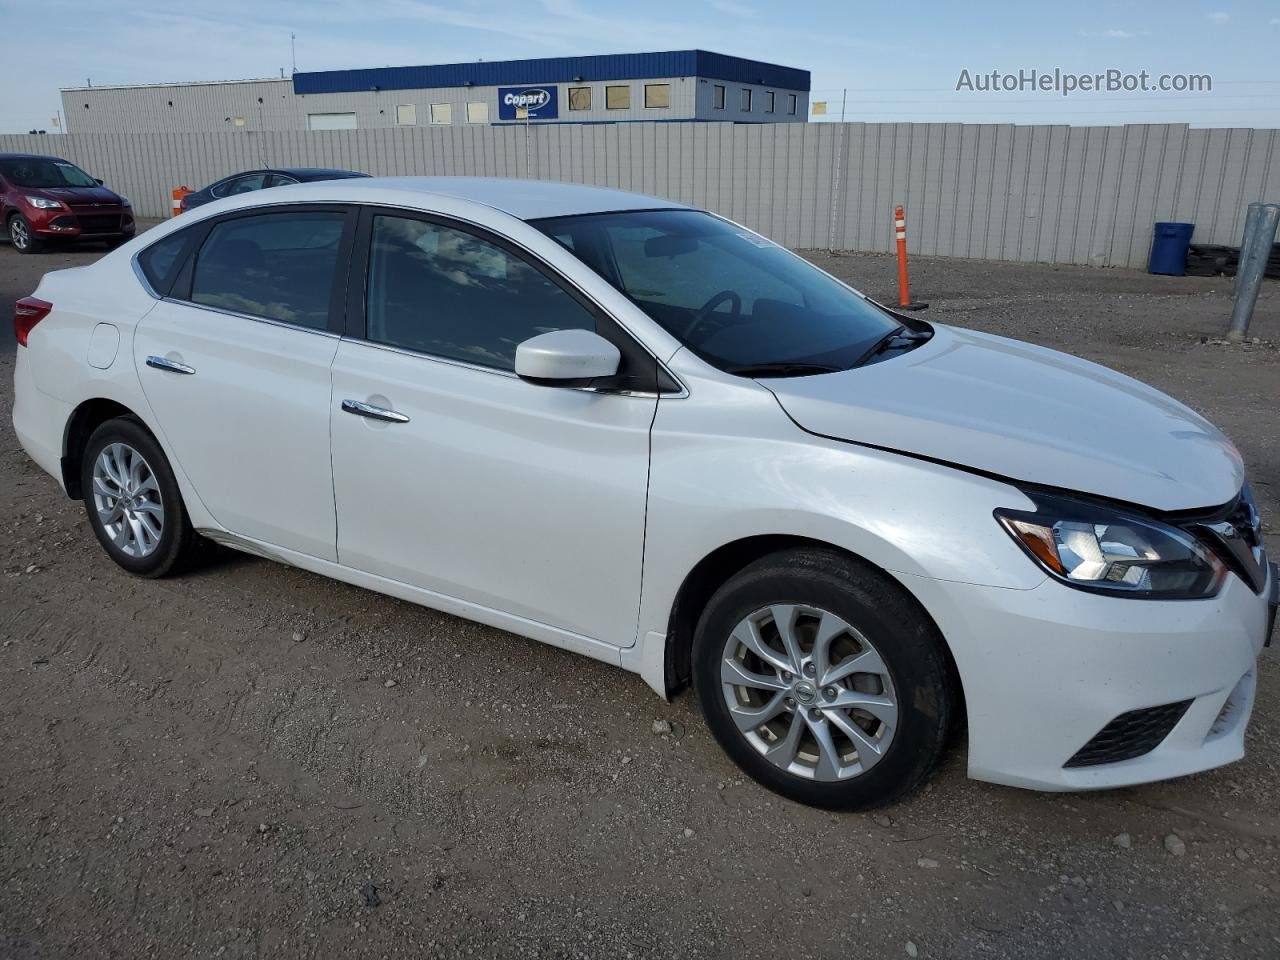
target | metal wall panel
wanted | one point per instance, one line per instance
(1086, 195)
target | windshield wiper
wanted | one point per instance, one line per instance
(782, 368)
(897, 339)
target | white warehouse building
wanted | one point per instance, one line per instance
(669, 86)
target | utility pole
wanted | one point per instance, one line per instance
(844, 100)
(293, 50)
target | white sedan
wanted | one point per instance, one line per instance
(646, 434)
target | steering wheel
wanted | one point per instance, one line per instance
(707, 308)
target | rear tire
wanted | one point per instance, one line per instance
(133, 501)
(22, 236)
(774, 669)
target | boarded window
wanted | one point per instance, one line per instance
(791, 103)
(331, 121)
(617, 98)
(478, 111)
(657, 95)
(407, 114)
(768, 101)
(746, 99)
(719, 101)
(441, 113)
(579, 98)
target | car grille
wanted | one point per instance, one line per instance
(1130, 735)
(99, 222)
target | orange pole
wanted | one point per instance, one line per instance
(904, 283)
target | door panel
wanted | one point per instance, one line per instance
(526, 499)
(250, 425)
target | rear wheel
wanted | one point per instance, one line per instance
(823, 680)
(133, 501)
(22, 236)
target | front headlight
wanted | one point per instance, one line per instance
(1098, 548)
(44, 203)
(124, 202)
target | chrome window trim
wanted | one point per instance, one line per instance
(141, 274)
(538, 258)
(509, 374)
(249, 316)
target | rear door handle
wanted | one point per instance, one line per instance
(173, 366)
(373, 413)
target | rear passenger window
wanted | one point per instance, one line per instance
(446, 292)
(161, 261)
(278, 265)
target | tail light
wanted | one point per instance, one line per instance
(27, 312)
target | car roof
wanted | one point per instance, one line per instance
(524, 199)
(30, 156)
(318, 172)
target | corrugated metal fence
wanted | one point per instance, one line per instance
(1055, 194)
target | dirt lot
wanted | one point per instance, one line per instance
(221, 765)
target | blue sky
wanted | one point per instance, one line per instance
(897, 61)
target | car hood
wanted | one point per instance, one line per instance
(1023, 412)
(76, 195)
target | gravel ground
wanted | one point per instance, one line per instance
(252, 761)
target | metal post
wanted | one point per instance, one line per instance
(1254, 254)
(1250, 225)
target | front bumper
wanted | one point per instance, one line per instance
(73, 223)
(1045, 670)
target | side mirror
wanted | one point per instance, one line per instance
(566, 358)
(98, 181)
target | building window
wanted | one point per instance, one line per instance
(746, 99)
(579, 98)
(768, 101)
(478, 111)
(442, 113)
(617, 98)
(657, 95)
(406, 114)
(791, 103)
(719, 99)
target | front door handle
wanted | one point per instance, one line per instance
(173, 366)
(373, 413)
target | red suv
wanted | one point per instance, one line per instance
(47, 198)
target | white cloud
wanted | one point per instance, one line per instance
(1219, 16)
(1115, 34)
(1275, 21)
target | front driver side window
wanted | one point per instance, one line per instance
(449, 293)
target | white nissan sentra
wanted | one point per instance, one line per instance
(646, 434)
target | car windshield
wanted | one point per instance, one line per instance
(44, 172)
(742, 303)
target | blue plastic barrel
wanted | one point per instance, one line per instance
(1169, 248)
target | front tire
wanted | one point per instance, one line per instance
(133, 501)
(22, 236)
(823, 680)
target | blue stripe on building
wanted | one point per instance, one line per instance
(620, 66)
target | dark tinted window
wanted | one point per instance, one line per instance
(161, 261)
(735, 299)
(277, 265)
(245, 184)
(449, 293)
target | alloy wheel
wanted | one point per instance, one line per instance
(127, 499)
(809, 692)
(19, 234)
